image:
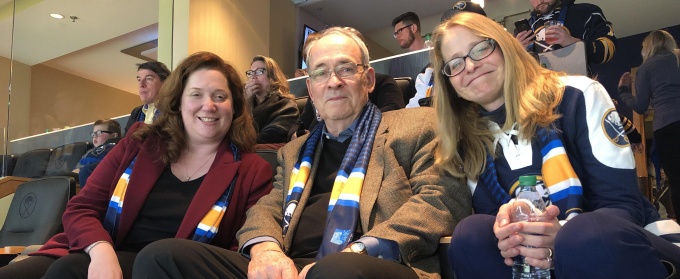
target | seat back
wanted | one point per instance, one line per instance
(7, 162)
(269, 155)
(32, 164)
(35, 212)
(65, 158)
(407, 86)
(301, 102)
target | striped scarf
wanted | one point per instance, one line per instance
(559, 177)
(343, 208)
(206, 229)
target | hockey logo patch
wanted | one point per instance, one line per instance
(460, 5)
(613, 129)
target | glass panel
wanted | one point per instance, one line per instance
(70, 72)
(6, 25)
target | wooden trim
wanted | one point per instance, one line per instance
(9, 184)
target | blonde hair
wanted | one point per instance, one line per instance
(531, 95)
(656, 41)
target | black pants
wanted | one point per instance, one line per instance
(668, 147)
(180, 258)
(71, 266)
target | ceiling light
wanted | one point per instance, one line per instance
(57, 16)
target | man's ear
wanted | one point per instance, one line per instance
(309, 89)
(414, 28)
(370, 79)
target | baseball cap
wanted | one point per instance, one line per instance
(463, 6)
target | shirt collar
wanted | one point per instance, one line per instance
(344, 135)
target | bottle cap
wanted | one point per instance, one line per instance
(526, 180)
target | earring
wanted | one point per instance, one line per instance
(318, 117)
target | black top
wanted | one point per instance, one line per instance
(307, 238)
(162, 212)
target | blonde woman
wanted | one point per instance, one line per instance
(273, 106)
(658, 83)
(500, 116)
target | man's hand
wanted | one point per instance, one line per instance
(103, 262)
(626, 80)
(559, 36)
(304, 271)
(525, 37)
(269, 261)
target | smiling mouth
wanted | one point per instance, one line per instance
(207, 119)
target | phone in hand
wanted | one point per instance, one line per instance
(522, 25)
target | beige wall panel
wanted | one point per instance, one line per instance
(60, 99)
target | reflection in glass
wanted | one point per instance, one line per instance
(73, 71)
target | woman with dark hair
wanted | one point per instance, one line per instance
(500, 116)
(658, 83)
(190, 174)
(269, 98)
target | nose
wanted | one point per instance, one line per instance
(334, 81)
(209, 104)
(470, 64)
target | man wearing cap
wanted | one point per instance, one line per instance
(576, 22)
(150, 77)
(407, 32)
(425, 79)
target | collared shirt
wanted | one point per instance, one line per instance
(344, 135)
(149, 111)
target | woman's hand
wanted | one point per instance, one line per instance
(269, 261)
(251, 88)
(514, 238)
(625, 80)
(103, 262)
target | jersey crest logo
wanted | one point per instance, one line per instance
(613, 129)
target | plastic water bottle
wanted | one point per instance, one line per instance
(528, 207)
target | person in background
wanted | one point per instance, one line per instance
(150, 78)
(500, 116)
(579, 22)
(425, 79)
(356, 198)
(102, 131)
(190, 175)
(386, 95)
(658, 83)
(407, 32)
(269, 98)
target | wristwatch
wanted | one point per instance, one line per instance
(358, 247)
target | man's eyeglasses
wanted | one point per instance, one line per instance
(478, 52)
(98, 133)
(396, 33)
(322, 74)
(257, 72)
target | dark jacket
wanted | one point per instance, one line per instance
(274, 117)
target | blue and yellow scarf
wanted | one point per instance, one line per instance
(343, 208)
(206, 229)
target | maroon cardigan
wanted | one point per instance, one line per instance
(85, 212)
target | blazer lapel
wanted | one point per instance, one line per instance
(374, 176)
(145, 173)
(217, 180)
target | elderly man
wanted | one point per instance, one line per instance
(358, 197)
(150, 78)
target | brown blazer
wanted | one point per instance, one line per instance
(404, 198)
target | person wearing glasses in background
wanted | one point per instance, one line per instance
(150, 78)
(500, 116)
(103, 131)
(271, 103)
(407, 32)
(358, 197)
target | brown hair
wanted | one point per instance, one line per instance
(111, 125)
(278, 80)
(531, 95)
(169, 126)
